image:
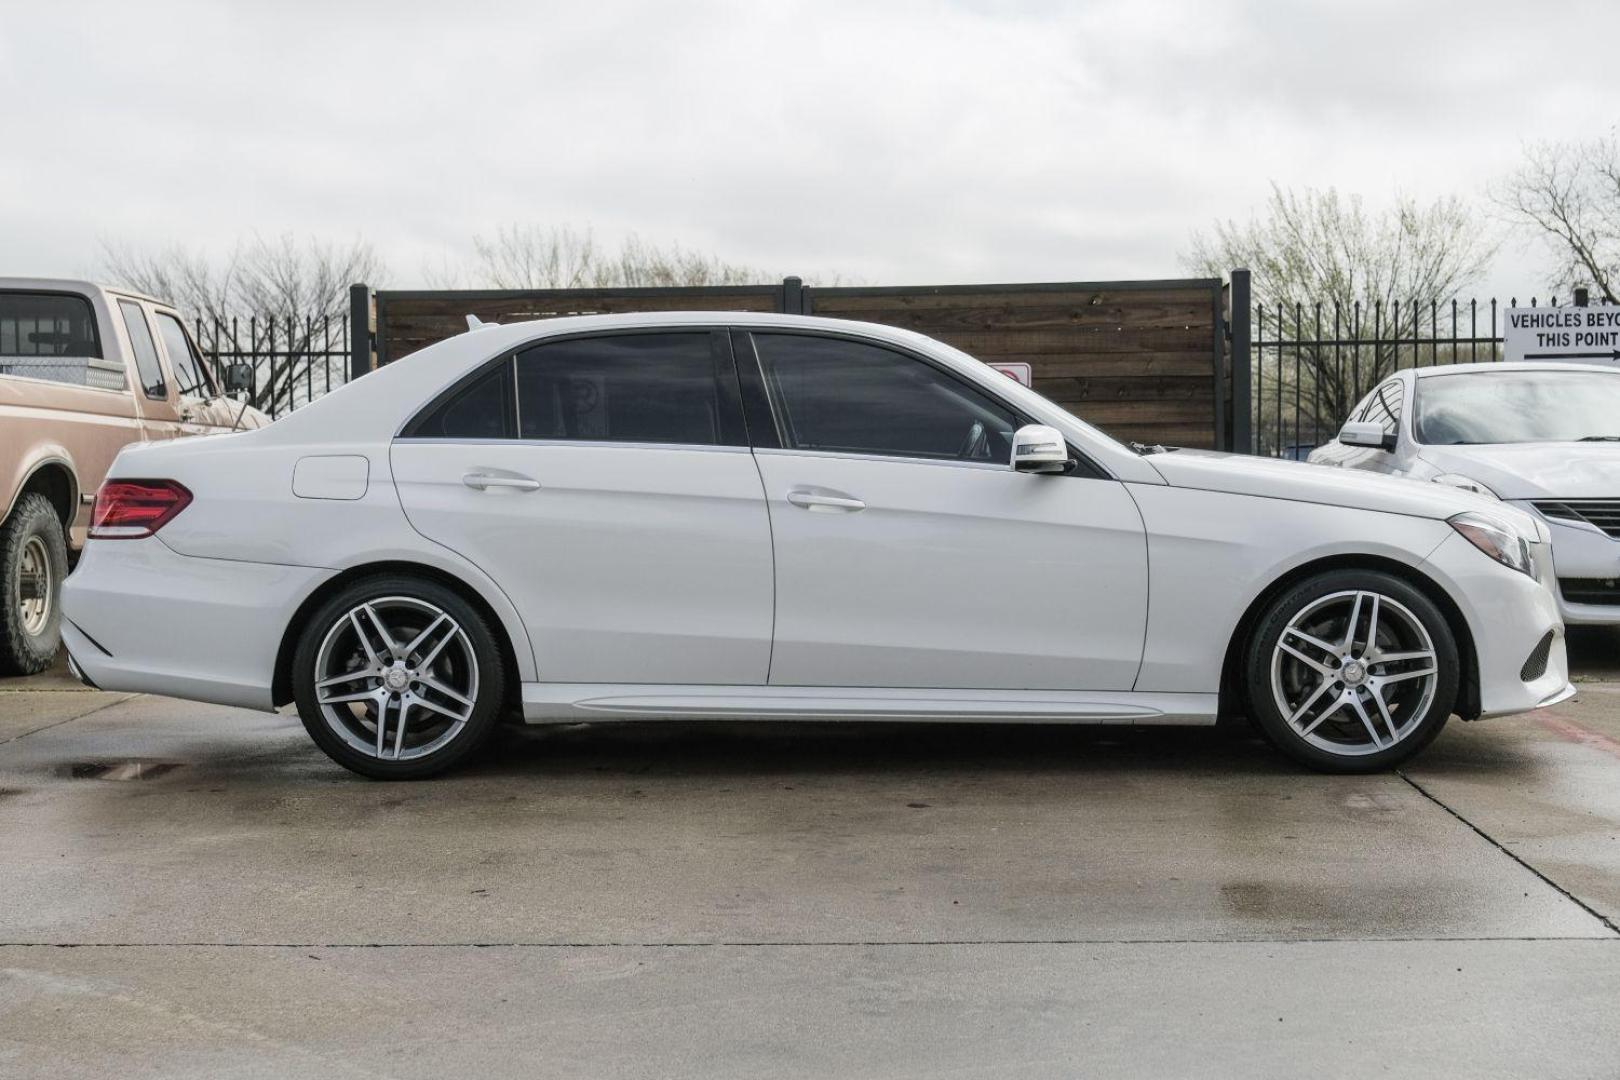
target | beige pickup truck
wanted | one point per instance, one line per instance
(84, 371)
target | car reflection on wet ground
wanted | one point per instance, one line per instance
(746, 900)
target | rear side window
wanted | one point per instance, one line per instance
(53, 336)
(480, 410)
(146, 357)
(832, 394)
(187, 366)
(635, 388)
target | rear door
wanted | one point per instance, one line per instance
(909, 552)
(605, 483)
(154, 386)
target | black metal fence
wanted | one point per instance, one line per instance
(293, 362)
(1310, 363)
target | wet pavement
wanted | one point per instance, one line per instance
(188, 890)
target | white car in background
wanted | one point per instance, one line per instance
(767, 516)
(1541, 437)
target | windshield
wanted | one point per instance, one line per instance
(1518, 407)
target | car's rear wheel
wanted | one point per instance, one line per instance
(1352, 671)
(398, 678)
(33, 562)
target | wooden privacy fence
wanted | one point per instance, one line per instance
(1146, 361)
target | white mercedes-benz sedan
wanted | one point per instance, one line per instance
(1542, 437)
(759, 516)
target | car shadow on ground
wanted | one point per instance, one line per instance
(783, 748)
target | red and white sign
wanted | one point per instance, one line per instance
(1018, 373)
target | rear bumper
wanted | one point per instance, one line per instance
(1509, 614)
(140, 617)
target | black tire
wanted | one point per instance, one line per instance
(33, 531)
(488, 701)
(1417, 726)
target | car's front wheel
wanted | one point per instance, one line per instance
(1352, 671)
(398, 678)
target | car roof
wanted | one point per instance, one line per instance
(75, 285)
(1504, 365)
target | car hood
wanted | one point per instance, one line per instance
(1535, 470)
(1298, 481)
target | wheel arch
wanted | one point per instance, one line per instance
(1232, 692)
(281, 691)
(54, 478)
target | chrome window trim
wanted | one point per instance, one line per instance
(853, 455)
(594, 444)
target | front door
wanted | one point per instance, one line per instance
(910, 554)
(202, 409)
(605, 484)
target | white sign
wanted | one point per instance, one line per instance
(1018, 373)
(1585, 335)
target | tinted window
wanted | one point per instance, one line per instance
(146, 358)
(480, 410)
(643, 388)
(833, 394)
(45, 324)
(183, 359)
(53, 336)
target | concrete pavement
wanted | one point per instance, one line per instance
(804, 900)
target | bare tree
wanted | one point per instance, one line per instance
(559, 257)
(281, 278)
(1317, 250)
(283, 297)
(1568, 194)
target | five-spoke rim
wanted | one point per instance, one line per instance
(34, 586)
(1354, 672)
(396, 678)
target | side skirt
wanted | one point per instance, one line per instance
(551, 702)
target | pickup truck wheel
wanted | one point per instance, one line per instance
(33, 562)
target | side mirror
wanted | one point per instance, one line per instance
(238, 378)
(1037, 448)
(1366, 433)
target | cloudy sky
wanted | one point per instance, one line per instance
(893, 142)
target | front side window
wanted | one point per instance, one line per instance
(146, 357)
(635, 388)
(832, 394)
(191, 379)
(1384, 407)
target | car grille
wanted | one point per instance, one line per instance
(1604, 513)
(1590, 590)
(1536, 666)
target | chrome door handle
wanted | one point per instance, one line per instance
(485, 481)
(812, 500)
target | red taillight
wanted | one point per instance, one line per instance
(130, 509)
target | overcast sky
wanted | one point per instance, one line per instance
(899, 143)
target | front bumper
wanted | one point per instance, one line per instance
(1509, 614)
(138, 616)
(1583, 553)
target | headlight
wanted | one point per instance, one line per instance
(1495, 540)
(1467, 483)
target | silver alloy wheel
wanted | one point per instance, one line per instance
(396, 678)
(1354, 672)
(34, 587)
